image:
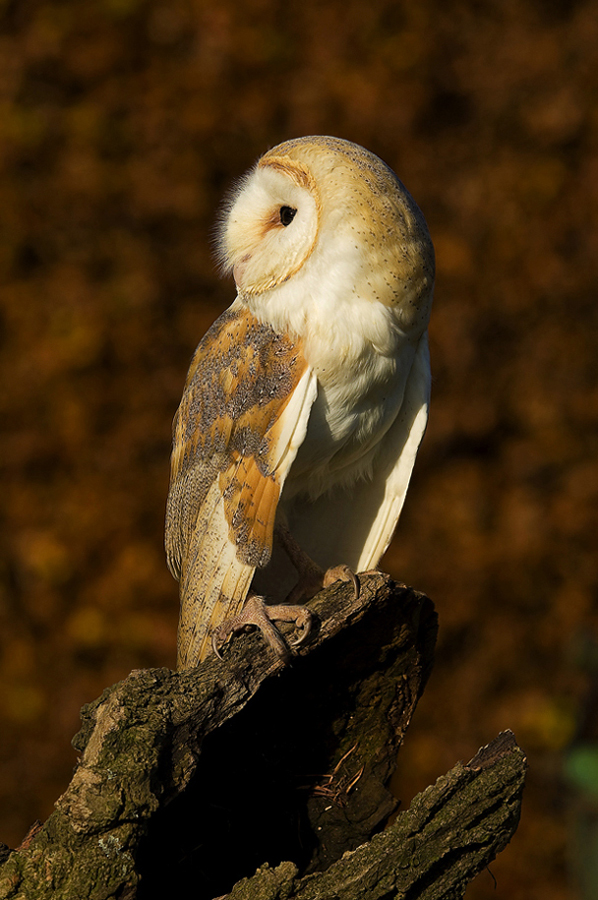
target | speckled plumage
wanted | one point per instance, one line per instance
(227, 439)
(306, 401)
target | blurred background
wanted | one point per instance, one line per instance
(122, 124)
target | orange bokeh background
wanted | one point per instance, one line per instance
(123, 123)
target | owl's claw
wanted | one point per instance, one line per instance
(302, 621)
(215, 646)
(342, 573)
(257, 613)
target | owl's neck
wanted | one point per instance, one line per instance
(335, 318)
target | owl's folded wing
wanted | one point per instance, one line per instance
(242, 418)
(397, 457)
(355, 526)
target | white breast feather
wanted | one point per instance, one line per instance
(360, 356)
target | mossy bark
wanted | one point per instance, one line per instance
(200, 777)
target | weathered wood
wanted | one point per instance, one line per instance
(451, 831)
(202, 776)
(141, 741)
(300, 773)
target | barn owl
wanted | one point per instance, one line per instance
(306, 401)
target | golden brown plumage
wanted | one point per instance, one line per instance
(228, 462)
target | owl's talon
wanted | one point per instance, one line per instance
(215, 646)
(342, 573)
(303, 624)
(257, 613)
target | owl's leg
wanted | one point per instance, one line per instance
(257, 613)
(312, 578)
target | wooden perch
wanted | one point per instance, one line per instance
(450, 832)
(199, 778)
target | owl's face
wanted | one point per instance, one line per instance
(318, 206)
(272, 225)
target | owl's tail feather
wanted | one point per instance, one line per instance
(214, 583)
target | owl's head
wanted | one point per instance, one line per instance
(319, 202)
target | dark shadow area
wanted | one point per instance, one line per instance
(267, 778)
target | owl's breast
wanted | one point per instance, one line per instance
(357, 403)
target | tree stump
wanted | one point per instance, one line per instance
(191, 781)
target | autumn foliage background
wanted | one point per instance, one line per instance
(122, 124)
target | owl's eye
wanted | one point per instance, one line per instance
(287, 214)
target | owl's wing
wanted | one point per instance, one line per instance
(241, 421)
(397, 457)
(355, 525)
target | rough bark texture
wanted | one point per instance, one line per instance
(194, 778)
(432, 851)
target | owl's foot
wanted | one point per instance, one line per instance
(257, 613)
(312, 578)
(342, 573)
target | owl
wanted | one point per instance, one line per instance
(307, 400)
